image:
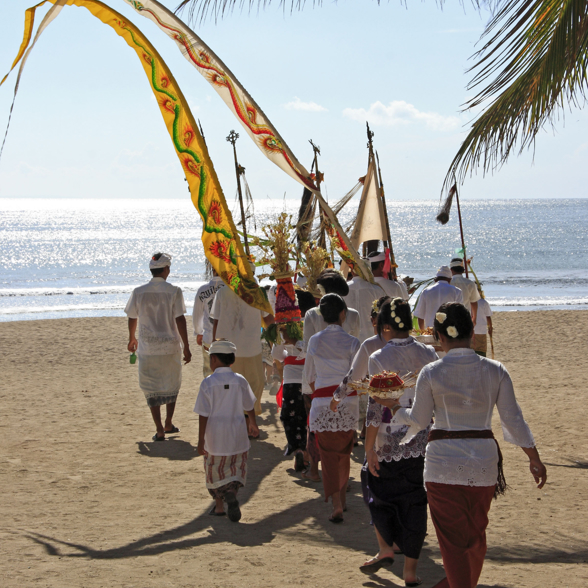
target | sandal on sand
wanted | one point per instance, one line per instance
(338, 519)
(233, 509)
(376, 564)
(217, 514)
(413, 584)
(173, 430)
(156, 438)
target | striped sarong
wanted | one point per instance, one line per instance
(223, 469)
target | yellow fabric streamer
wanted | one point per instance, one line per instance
(220, 239)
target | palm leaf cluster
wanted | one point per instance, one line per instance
(536, 61)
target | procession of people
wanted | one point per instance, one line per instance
(429, 448)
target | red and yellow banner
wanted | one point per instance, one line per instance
(221, 242)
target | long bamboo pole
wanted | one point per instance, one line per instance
(232, 139)
(465, 264)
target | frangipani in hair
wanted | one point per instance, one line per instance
(440, 317)
(452, 332)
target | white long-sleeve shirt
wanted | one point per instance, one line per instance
(315, 323)
(468, 289)
(328, 359)
(462, 390)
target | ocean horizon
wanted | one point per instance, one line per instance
(66, 257)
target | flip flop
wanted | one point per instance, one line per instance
(173, 430)
(413, 584)
(372, 568)
(156, 438)
(336, 520)
(216, 514)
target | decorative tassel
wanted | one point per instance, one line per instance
(443, 216)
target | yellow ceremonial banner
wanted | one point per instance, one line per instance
(220, 239)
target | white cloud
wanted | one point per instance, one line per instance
(297, 104)
(399, 112)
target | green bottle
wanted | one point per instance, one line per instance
(133, 358)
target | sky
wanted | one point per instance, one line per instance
(86, 125)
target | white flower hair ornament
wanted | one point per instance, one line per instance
(392, 314)
(397, 319)
(375, 307)
(401, 325)
(440, 316)
(452, 332)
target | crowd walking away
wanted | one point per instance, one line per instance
(429, 445)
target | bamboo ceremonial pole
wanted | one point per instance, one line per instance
(232, 139)
(461, 231)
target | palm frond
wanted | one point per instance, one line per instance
(201, 9)
(536, 61)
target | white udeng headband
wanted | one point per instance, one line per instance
(163, 261)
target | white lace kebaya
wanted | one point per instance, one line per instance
(399, 355)
(461, 390)
(328, 359)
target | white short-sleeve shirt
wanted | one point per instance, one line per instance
(223, 397)
(156, 305)
(202, 305)
(433, 297)
(237, 322)
(468, 289)
(391, 288)
(361, 297)
(484, 311)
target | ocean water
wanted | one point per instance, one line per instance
(65, 258)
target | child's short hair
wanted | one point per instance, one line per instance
(225, 358)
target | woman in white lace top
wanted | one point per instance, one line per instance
(328, 358)
(463, 461)
(392, 477)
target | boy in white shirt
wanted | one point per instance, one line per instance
(483, 327)
(222, 439)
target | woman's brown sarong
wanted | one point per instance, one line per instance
(460, 517)
(335, 449)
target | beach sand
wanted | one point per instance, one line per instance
(88, 500)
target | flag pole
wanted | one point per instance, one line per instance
(232, 139)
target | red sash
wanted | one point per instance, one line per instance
(327, 392)
(291, 360)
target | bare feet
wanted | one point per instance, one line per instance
(310, 476)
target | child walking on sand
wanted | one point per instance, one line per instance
(223, 430)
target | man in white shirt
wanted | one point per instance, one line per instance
(332, 282)
(361, 297)
(434, 296)
(393, 288)
(467, 287)
(201, 318)
(158, 309)
(236, 321)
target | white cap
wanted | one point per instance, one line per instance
(379, 256)
(444, 272)
(163, 261)
(222, 347)
(456, 263)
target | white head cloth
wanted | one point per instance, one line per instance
(380, 256)
(222, 347)
(444, 272)
(456, 263)
(163, 261)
